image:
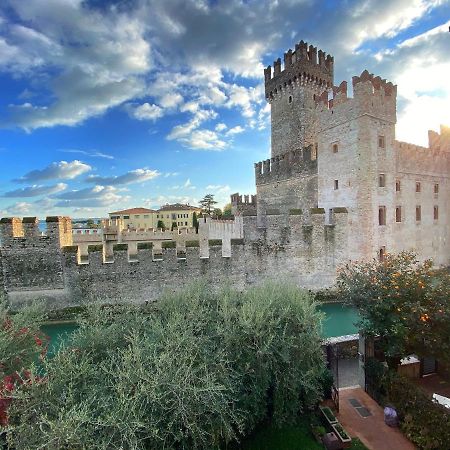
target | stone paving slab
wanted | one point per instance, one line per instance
(372, 430)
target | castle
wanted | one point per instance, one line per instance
(338, 187)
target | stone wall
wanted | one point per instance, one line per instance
(299, 248)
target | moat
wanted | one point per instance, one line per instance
(339, 320)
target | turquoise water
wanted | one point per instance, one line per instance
(340, 320)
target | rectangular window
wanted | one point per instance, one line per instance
(136, 216)
(397, 186)
(381, 142)
(436, 212)
(418, 187)
(418, 213)
(145, 216)
(336, 185)
(185, 223)
(382, 253)
(381, 180)
(126, 217)
(436, 188)
(335, 148)
(382, 215)
(398, 214)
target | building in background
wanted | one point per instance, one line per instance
(135, 218)
(178, 213)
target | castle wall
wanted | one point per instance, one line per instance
(299, 248)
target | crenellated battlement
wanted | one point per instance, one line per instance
(243, 205)
(284, 166)
(305, 66)
(23, 232)
(378, 85)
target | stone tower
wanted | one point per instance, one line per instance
(292, 92)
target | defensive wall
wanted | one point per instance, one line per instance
(303, 250)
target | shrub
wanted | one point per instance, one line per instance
(215, 242)
(95, 248)
(145, 245)
(202, 369)
(120, 247)
(168, 244)
(192, 244)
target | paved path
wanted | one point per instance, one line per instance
(372, 430)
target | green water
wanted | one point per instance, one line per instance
(339, 320)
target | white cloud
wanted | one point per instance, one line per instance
(36, 190)
(61, 170)
(171, 100)
(220, 127)
(235, 130)
(146, 111)
(95, 197)
(133, 176)
(90, 153)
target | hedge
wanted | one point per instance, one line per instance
(169, 244)
(425, 423)
(215, 242)
(192, 243)
(120, 247)
(145, 245)
(237, 241)
(95, 248)
(70, 249)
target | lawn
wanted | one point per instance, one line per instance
(295, 437)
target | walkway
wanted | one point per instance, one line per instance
(372, 430)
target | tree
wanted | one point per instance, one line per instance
(195, 221)
(402, 301)
(207, 203)
(90, 223)
(227, 210)
(202, 369)
(217, 213)
(161, 225)
(174, 225)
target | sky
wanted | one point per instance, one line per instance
(113, 104)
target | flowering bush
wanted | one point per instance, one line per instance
(403, 301)
(21, 345)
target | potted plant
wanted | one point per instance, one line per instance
(342, 434)
(318, 431)
(328, 414)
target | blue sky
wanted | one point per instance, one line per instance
(112, 104)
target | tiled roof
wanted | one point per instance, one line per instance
(178, 206)
(133, 211)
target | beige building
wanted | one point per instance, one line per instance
(136, 218)
(177, 213)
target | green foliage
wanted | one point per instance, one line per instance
(202, 369)
(326, 411)
(161, 225)
(215, 241)
(145, 245)
(195, 221)
(174, 225)
(292, 437)
(227, 211)
(402, 301)
(21, 340)
(96, 248)
(168, 244)
(207, 203)
(192, 244)
(120, 247)
(425, 423)
(70, 249)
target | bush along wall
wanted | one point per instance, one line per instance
(425, 423)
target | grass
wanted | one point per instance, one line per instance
(295, 437)
(357, 445)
